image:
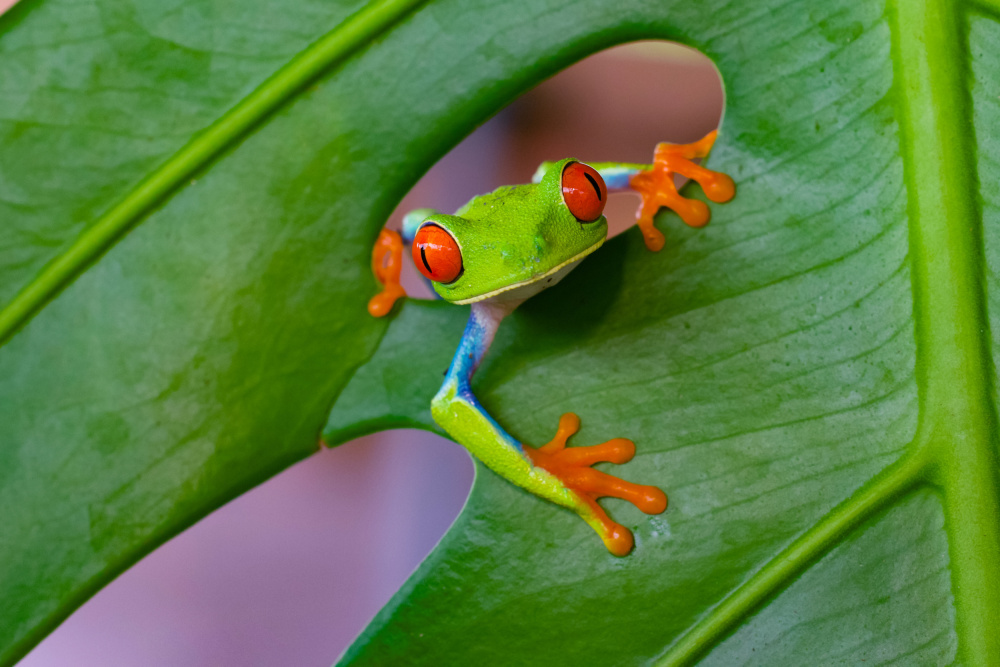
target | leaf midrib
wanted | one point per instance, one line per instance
(955, 447)
(954, 369)
(335, 46)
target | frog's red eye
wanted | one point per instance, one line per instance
(436, 254)
(584, 191)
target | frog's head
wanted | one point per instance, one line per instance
(517, 240)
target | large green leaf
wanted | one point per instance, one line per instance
(809, 378)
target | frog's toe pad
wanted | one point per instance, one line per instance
(719, 189)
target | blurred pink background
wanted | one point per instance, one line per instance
(270, 579)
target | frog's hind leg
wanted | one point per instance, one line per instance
(552, 471)
(571, 465)
(657, 189)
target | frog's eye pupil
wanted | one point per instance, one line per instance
(423, 258)
(583, 191)
(436, 254)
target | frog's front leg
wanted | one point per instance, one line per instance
(387, 261)
(655, 184)
(554, 472)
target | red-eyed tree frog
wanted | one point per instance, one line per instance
(503, 248)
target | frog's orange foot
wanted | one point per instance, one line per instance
(572, 467)
(657, 189)
(387, 262)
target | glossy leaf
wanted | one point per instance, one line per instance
(809, 378)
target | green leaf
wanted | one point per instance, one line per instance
(810, 378)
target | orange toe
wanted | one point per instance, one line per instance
(618, 450)
(721, 189)
(618, 539)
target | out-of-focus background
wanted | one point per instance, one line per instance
(289, 573)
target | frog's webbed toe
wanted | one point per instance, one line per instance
(657, 189)
(572, 467)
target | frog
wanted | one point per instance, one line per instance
(502, 248)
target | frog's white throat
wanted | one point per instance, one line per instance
(512, 296)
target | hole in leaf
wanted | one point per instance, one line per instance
(614, 106)
(201, 598)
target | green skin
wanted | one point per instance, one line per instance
(515, 242)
